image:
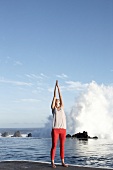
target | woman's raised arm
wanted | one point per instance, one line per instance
(60, 95)
(54, 98)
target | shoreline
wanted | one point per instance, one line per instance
(38, 165)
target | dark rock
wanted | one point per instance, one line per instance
(95, 137)
(83, 136)
(5, 134)
(29, 135)
(68, 136)
(74, 136)
(17, 134)
(79, 135)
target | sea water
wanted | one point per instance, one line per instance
(92, 153)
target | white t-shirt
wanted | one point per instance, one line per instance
(59, 118)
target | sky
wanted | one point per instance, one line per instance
(42, 41)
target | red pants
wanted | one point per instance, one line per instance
(61, 134)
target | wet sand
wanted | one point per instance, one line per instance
(28, 165)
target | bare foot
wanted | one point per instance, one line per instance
(65, 165)
(53, 165)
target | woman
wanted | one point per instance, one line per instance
(59, 126)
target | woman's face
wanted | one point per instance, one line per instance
(57, 103)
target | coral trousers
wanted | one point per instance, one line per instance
(58, 134)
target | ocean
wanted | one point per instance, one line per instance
(92, 153)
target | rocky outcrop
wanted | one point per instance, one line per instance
(68, 136)
(29, 135)
(95, 137)
(82, 136)
(17, 134)
(5, 134)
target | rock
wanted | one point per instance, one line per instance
(95, 137)
(68, 136)
(17, 134)
(74, 136)
(79, 135)
(5, 134)
(29, 135)
(83, 136)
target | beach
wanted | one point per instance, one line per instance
(28, 165)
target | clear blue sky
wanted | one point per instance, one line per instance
(45, 40)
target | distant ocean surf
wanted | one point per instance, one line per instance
(24, 131)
